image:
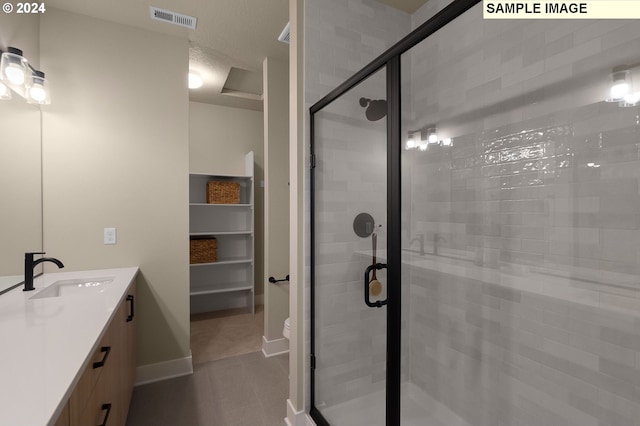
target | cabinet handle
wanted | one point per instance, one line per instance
(106, 350)
(106, 416)
(131, 304)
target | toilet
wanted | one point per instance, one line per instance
(287, 328)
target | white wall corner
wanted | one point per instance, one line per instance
(165, 370)
(274, 347)
(297, 418)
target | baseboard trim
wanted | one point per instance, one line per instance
(297, 418)
(165, 370)
(274, 347)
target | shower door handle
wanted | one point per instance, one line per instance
(367, 279)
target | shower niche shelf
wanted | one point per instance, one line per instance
(229, 281)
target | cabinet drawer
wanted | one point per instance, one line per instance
(100, 361)
(103, 392)
(99, 409)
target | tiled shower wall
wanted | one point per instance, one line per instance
(350, 179)
(536, 320)
(341, 37)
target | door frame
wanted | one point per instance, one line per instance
(391, 59)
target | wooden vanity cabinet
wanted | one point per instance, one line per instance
(127, 365)
(63, 419)
(103, 393)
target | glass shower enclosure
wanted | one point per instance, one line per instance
(475, 217)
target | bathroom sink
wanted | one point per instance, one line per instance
(80, 286)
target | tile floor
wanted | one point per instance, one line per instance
(229, 387)
(221, 334)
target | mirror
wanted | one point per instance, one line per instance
(20, 187)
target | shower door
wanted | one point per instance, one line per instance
(349, 326)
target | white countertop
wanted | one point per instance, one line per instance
(47, 342)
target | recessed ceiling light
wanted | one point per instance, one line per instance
(195, 81)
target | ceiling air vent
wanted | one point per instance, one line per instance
(173, 17)
(285, 34)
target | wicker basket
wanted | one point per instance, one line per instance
(222, 192)
(203, 250)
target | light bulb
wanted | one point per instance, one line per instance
(195, 81)
(38, 89)
(13, 67)
(423, 147)
(15, 74)
(619, 90)
(632, 98)
(37, 93)
(446, 142)
(411, 143)
(432, 135)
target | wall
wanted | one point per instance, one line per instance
(276, 251)
(115, 150)
(219, 137)
(21, 31)
(20, 165)
(342, 37)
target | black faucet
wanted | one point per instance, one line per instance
(29, 264)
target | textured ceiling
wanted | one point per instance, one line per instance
(230, 35)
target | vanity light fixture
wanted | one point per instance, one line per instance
(16, 74)
(195, 80)
(414, 141)
(622, 90)
(620, 86)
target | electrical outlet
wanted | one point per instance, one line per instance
(109, 235)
